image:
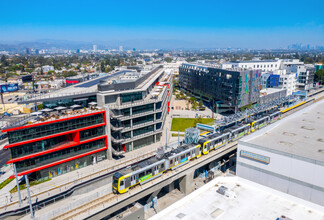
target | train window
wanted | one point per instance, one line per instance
(122, 182)
(171, 161)
(148, 171)
(141, 175)
(183, 156)
(188, 154)
(162, 165)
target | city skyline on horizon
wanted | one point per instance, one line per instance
(183, 23)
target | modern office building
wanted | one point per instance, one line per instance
(137, 107)
(28, 51)
(234, 88)
(134, 105)
(59, 143)
(287, 155)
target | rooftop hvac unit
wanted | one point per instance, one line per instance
(191, 136)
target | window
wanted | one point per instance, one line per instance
(162, 165)
(121, 182)
(141, 175)
(183, 156)
(130, 97)
(149, 171)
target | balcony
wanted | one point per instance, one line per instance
(126, 140)
(116, 128)
(123, 118)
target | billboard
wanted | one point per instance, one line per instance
(12, 87)
(27, 78)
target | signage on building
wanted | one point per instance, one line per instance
(27, 78)
(100, 157)
(9, 88)
(255, 157)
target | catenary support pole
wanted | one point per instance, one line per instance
(29, 199)
(17, 182)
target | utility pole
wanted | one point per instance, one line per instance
(30, 204)
(3, 105)
(166, 138)
(178, 139)
(17, 182)
(213, 110)
(33, 81)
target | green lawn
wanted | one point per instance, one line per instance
(6, 182)
(181, 124)
(31, 183)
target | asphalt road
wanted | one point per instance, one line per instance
(4, 156)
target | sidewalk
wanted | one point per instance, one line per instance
(66, 181)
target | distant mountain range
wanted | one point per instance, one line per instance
(73, 45)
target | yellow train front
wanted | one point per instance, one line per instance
(152, 168)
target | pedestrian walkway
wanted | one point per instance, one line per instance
(66, 181)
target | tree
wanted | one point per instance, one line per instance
(102, 67)
(248, 106)
(198, 120)
(319, 76)
(175, 82)
(3, 58)
(69, 74)
(200, 103)
(168, 59)
(193, 100)
(194, 105)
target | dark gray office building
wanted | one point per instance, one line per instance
(229, 88)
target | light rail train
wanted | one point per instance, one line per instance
(154, 167)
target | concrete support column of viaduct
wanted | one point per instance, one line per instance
(186, 183)
(108, 133)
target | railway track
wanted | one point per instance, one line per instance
(85, 207)
(78, 212)
(84, 178)
(105, 199)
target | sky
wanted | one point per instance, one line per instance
(200, 23)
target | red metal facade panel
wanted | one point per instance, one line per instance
(53, 135)
(59, 162)
(63, 146)
(74, 140)
(53, 121)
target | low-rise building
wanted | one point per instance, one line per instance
(262, 65)
(47, 68)
(271, 94)
(287, 155)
